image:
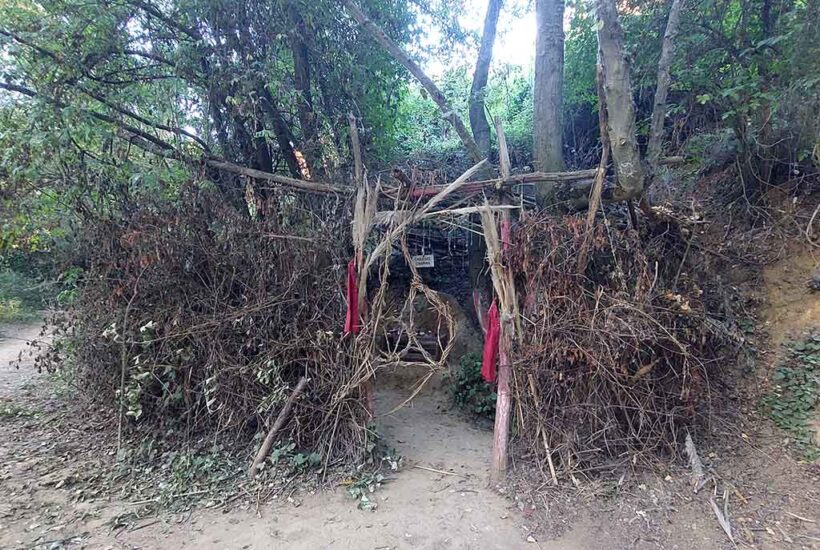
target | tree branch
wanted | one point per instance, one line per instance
(398, 54)
(159, 147)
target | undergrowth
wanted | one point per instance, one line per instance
(793, 401)
(469, 391)
(21, 297)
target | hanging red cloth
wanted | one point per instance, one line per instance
(489, 359)
(352, 315)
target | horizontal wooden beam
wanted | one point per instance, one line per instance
(305, 185)
(518, 179)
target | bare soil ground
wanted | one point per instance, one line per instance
(51, 466)
(57, 492)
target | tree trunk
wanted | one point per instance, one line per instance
(396, 52)
(478, 119)
(653, 150)
(619, 103)
(284, 137)
(548, 88)
(301, 78)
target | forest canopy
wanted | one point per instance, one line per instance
(98, 94)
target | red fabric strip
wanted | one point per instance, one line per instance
(490, 356)
(352, 314)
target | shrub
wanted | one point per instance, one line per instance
(469, 390)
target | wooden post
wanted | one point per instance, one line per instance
(504, 287)
(598, 184)
(503, 403)
(360, 227)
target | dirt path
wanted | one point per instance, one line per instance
(419, 508)
(57, 492)
(14, 340)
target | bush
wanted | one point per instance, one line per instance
(21, 298)
(197, 318)
(469, 390)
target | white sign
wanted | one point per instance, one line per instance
(424, 260)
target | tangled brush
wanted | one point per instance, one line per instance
(199, 318)
(615, 362)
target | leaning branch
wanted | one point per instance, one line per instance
(399, 55)
(277, 425)
(305, 185)
(162, 148)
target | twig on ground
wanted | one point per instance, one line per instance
(723, 520)
(443, 472)
(801, 518)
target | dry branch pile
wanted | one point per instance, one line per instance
(207, 319)
(612, 363)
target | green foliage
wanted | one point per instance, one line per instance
(469, 390)
(21, 297)
(13, 410)
(793, 401)
(174, 477)
(286, 455)
(368, 477)
(580, 58)
(362, 487)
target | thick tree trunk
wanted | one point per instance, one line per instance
(301, 78)
(619, 103)
(653, 150)
(396, 52)
(478, 119)
(547, 93)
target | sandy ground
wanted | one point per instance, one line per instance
(419, 508)
(14, 345)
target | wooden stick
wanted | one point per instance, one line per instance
(501, 430)
(503, 152)
(801, 518)
(434, 470)
(277, 425)
(542, 429)
(504, 286)
(598, 186)
(304, 185)
(362, 222)
(357, 150)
